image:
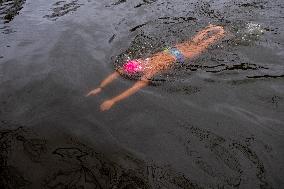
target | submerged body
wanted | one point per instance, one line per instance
(149, 67)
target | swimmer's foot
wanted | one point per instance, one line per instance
(106, 105)
(94, 92)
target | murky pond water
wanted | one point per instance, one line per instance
(215, 121)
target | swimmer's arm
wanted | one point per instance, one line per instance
(138, 85)
(106, 105)
(104, 83)
(109, 79)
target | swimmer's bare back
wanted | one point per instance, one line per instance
(162, 61)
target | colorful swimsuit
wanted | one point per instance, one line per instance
(136, 66)
(176, 53)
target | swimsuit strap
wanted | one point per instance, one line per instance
(176, 53)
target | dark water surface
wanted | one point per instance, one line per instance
(215, 122)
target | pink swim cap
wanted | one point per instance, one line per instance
(132, 66)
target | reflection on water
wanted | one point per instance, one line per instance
(69, 163)
(215, 121)
(72, 164)
(61, 8)
(140, 3)
(10, 8)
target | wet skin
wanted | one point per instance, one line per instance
(162, 61)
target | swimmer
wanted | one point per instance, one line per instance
(159, 62)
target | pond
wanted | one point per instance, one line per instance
(215, 121)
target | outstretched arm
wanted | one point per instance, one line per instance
(106, 105)
(162, 60)
(104, 83)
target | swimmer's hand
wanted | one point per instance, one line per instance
(106, 105)
(94, 92)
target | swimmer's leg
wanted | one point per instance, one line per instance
(104, 83)
(205, 33)
(107, 104)
(201, 41)
(204, 44)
